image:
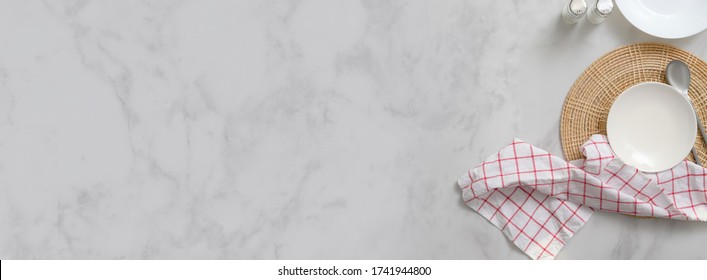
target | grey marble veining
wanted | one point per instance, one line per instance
(307, 129)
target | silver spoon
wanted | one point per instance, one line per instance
(678, 76)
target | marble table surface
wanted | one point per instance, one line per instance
(309, 129)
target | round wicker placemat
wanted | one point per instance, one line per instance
(588, 102)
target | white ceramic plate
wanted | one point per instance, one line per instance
(651, 126)
(666, 18)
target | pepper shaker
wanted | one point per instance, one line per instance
(574, 11)
(599, 11)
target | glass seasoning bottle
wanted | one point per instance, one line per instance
(574, 11)
(599, 11)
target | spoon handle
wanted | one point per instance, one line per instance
(697, 158)
(702, 130)
(700, 127)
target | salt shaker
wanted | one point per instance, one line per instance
(599, 11)
(574, 11)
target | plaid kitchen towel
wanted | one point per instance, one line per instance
(539, 200)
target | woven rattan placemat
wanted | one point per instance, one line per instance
(588, 102)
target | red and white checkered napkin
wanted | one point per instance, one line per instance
(539, 201)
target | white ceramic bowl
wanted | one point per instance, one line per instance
(651, 126)
(669, 19)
